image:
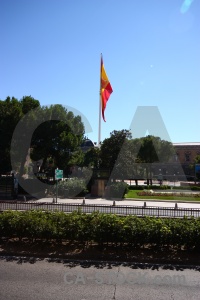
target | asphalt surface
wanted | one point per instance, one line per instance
(46, 280)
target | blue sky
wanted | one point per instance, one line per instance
(50, 49)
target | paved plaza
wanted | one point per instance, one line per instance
(126, 202)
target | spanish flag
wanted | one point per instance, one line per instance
(105, 89)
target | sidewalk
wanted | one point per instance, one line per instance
(126, 202)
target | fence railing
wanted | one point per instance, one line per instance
(113, 209)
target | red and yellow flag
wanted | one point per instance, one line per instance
(105, 89)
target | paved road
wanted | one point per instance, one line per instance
(45, 280)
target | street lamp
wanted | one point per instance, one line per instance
(38, 166)
(160, 176)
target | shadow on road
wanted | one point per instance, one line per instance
(101, 264)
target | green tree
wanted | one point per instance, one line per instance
(132, 158)
(50, 132)
(92, 158)
(111, 148)
(134, 169)
(59, 138)
(11, 111)
(153, 150)
(197, 161)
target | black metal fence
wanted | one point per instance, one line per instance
(113, 209)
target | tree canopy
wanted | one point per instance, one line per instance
(153, 149)
(124, 156)
(11, 111)
(54, 135)
(46, 133)
(111, 147)
(58, 138)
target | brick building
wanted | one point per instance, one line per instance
(186, 152)
(180, 167)
(185, 155)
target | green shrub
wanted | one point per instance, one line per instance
(135, 187)
(195, 188)
(71, 187)
(158, 187)
(188, 187)
(101, 228)
(118, 189)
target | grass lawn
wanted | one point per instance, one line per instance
(132, 194)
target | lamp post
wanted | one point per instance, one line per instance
(160, 176)
(38, 166)
(195, 174)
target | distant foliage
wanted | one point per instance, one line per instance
(135, 187)
(169, 194)
(118, 189)
(71, 187)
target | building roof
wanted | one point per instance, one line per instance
(187, 144)
(86, 145)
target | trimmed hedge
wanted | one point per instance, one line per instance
(118, 189)
(136, 187)
(158, 187)
(192, 188)
(163, 187)
(101, 228)
(168, 194)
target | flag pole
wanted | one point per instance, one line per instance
(100, 105)
(105, 91)
(99, 137)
